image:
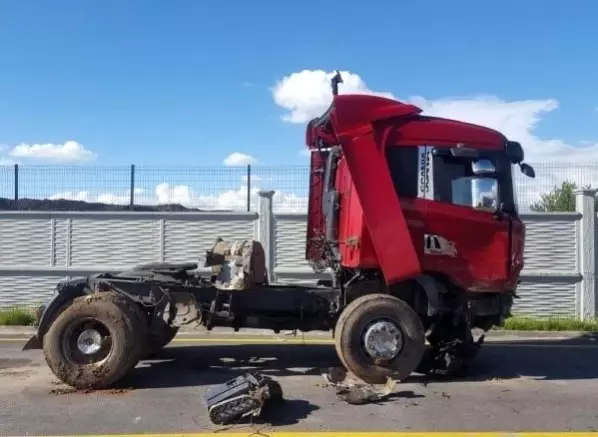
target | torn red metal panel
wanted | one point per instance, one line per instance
(381, 209)
(350, 122)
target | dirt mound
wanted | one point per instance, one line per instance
(77, 205)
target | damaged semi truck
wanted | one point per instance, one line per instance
(414, 217)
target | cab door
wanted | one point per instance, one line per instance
(462, 234)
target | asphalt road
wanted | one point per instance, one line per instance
(514, 387)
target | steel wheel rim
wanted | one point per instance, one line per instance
(382, 340)
(87, 342)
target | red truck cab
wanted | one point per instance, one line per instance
(408, 194)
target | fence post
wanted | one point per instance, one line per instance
(586, 254)
(16, 181)
(265, 230)
(248, 187)
(132, 201)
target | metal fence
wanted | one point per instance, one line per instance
(41, 248)
(198, 187)
(221, 188)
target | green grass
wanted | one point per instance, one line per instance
(16, 317)
(521, 323)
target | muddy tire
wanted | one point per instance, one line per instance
(379, 336)
(95, 341)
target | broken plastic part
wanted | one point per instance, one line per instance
(241, 397)
(354, 391)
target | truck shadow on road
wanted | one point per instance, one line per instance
(184, 366)
(545, 360)
(213, 364)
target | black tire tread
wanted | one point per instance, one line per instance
(347, 341)
(140, 321)
(121, 317)
(348, 310)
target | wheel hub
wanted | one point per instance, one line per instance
(383, 340)
(89, 342)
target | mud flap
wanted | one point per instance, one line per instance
(33, 343)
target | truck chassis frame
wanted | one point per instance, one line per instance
(379, 331)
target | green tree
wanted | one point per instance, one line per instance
(559, 199)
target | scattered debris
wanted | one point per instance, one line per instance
(354, 391)
(15, 374)
(335, 375)
(63, 391)
(71, 390)
(241, 397)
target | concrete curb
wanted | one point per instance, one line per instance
(200, 332)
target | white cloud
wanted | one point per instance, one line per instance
(516, 119)
(307, 94)
(70, 151)
(554, 159)
(164, 193)
(239, 159)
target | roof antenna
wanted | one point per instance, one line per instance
(336, 79)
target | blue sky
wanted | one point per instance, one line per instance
(190, 82)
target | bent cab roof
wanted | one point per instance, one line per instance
(350, 114)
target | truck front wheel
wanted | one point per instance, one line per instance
(379, 336)
(95, 341)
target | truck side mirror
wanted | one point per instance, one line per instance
(527, 170)
(515, 152)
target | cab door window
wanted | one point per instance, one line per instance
(461, 182)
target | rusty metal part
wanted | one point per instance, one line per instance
(237, 265)
(452, 349)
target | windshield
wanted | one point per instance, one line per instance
(464, 182)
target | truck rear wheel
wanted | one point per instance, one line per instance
(379, 336)
(95, 341)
